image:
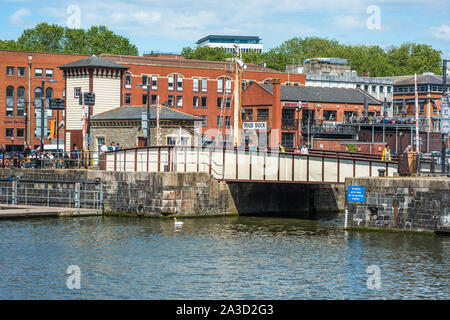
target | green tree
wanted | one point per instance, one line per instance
(206, 53)
(53, 38)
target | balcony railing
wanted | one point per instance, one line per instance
(339, 129)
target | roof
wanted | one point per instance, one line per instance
(94, 62)
(228, 37)
(226, 66)
(426, 78)
(322, 94)
(328, 60)
(135, 113)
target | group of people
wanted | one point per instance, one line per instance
(112, 146)
(298, 150)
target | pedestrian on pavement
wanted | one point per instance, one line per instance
(386, 156)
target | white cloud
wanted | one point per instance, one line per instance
(17, 18)
(349, 22)
(441, 33)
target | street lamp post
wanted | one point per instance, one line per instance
(148, 110)
(42, 111)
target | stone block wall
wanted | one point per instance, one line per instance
(400, 203)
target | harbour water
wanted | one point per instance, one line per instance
(217, 258)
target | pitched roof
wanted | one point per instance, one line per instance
(93, 61)
(426, 78)
(135, 113)
(322, 94)
(226, 66)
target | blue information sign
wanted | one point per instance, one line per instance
(356, 194)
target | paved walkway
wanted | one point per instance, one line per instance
(22, 211)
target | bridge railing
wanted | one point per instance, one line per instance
(237, 164)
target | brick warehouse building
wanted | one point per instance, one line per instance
(21, 75)
(195, 87)
(284, 111)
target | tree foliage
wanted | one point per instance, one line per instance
(408, 58)
(57, 39)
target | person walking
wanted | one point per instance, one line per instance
(281, 148)
(386, 156)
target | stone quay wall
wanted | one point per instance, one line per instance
(165, 193)
(400, 203)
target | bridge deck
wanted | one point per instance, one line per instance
(243, 165)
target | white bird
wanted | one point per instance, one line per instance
(178, 223)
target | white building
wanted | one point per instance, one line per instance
(245, 43)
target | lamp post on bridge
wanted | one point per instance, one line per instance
(43, 111)
(148, 109)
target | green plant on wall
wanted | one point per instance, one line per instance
(351, 148)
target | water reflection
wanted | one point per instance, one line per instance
(216, 258)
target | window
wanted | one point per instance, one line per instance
(171, 141)
(219, 121)
(287, 117)
(263, 114)
(228, 86)
(228, 103)
(374, 89)
(154, 82)
(9, 71)
(195, 83)
(179, 83)
(195, 102)
(144, 99)
(170, 101)
(366, 88)
(219, 102)
(38, 96)
(204, 121)
(220, 85)
(10, 101)
(171, 83)
(389, 89)
(49, 73)
(9, 132)
(248, 114)
(381, 89)
(128, 81)
(38, 72)
(227, 121)
(421, 107)
(329, 115)
(204, 102)
(287, 139)
(20, 101)
(204, 85)
(179, 101)
(21, 71)
(154, 99)
(144, 81)
(48, 96)
(20, 133)
(243, 84)
(77, 92)
(185, 141)
(127, 98)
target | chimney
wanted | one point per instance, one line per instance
(276, 114)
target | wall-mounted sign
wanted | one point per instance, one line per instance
(445, 126)
(254, 126)
(356, 194)
(295, 104)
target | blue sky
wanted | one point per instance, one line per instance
(168, 26)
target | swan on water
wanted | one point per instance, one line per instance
(178, 223)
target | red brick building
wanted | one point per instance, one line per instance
(21, 75)
(429, 88)
(287, 111)
(200, 88)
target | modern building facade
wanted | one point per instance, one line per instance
(245, 43)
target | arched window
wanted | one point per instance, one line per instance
(37, 97)
(20, 101)
(48, 96)
(10, 101)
